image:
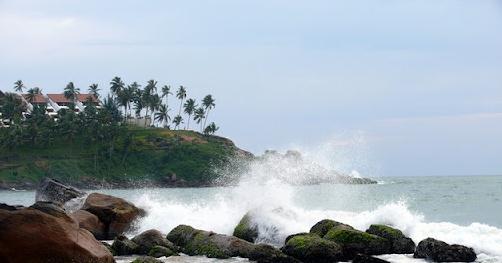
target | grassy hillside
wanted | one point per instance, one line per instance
(154, 155)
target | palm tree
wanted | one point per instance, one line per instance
(208, 103)
(153, 104)
(199, 115)
(138, 101)
(31, 94)
(71, 92)
(177, 121)
(189, 109)
(116, 85)
(166, 91)
(19, 86)
(181, 94)
(124, 97)
(11, 107)
(151, 86)
(94, 90)
(163, 115)
(211, 129)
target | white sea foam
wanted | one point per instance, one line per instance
(267, 193)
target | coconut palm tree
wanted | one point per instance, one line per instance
(116, 85)
(181, 94)
(177, 121)
(19, 86)
(71, 92)
(211, 129)
(166, 91)
(163, 115)
(154, 104)
(199, 115)
(124, 98)
(190, 107)
(31, 94)
(208, 103)
(94, 90)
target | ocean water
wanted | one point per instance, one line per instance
(456, 209)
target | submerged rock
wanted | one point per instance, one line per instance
(440, 251)
(146, 259)
(399, 242)
(362, 258)
(355, 241)
(10, 207)
(246, 229)
(116, 213)
(50, 190)
(91, 222)
(151, 238)
(160, 251)
(311, 248)
(123, 246)
(322, 227)
(42, 233)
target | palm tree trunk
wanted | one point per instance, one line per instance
(188, 122)
(207, 114)
(181, 105)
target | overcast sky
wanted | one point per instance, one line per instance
(385, 87)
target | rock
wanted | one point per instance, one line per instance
(355, 241)
(123, 246)
(150, 238)
(37, 234)
(246, 229)
(160, 251)
(399, 242)
(322, 227)
(263, 253)
(116, 213)
(50, 190)
(200, 242)
(362, 258)
(108, 246)
(311, 248)
(146, 259)
(440, 251)
(10, 207)
(91, 222)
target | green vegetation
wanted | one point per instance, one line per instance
(97, 147)
(351, 236)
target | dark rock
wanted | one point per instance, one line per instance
(311, 248)
(200, 242)
(108, 246)
(91, 222)
(123, 246)
(263, 253)
(146, 259)
(50, 190)
(160, 251)
(322, 227)
(399, 242)
(52, 209)
(33, 235)
(440, 251)
(150, 238)
(355, 241)
(246, 229)
(116, 213)
(362, 258)
(10, 207)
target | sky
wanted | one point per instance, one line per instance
(393, 88)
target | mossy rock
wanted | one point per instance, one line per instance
(150, 238)
(399, 242)
(246, 229)
(311, 248)
(355, 241)
(202, 245)
(181, 235)
(109, 247)
(160, 251)
(322, 227)
(263, 253)
(123, 246)
(146, 259)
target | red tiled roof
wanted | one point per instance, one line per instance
(58, 98)
(83, 97)
(39, 98)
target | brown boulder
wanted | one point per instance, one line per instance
(116, 213)
(32, 235)
(90, 222)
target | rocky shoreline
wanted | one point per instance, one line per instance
(66, 225)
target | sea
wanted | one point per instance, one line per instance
(464, 210)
